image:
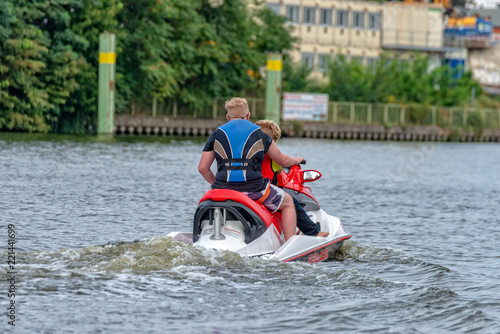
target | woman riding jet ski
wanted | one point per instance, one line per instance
(240, 212)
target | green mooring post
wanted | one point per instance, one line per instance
(107, 64)
(273, 86)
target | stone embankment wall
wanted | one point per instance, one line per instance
(147, 125)
(396, 132)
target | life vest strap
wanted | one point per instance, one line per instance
(225, 165)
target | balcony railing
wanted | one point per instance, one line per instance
(411, 39)
(470, 42)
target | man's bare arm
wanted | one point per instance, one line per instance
(282, 159)
(207, 157)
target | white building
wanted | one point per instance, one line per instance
(485, 4)
(360, 30)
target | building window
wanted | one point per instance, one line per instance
(342, 18)
(275, 7)
(358, 20)
(309, 15)
(324, 61)
(292, 13)
(374, 21)
(325, 17)
(308, 59)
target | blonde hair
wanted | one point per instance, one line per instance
(270, 128)
(237, 107)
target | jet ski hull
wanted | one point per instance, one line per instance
(229, 220)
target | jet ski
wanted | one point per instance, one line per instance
(229, 220)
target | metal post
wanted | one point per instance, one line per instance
(218, 226)
(386, 113)
(214, 109)
(154, 106)
(335, 112)
(434, 118)
(402, 115)
(106, 99)
(369, 114)
(273, 86)
(351, 113)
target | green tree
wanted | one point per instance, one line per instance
(23, 50)
(296, 77)
(177, 49)
(191, 51)
(88, 21)
(349, 80)
(39, 66)
(417, 83)
(450, 90)
(401, 81)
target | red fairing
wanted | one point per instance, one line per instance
(293, 181)
(222, 195)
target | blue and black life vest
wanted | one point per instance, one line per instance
(239, 151)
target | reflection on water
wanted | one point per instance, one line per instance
(92, 217)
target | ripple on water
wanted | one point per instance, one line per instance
(421, 259)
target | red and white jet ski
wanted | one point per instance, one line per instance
(229, 220)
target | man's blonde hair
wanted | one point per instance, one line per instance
(270, 128)
(237, 107)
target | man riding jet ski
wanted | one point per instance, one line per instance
(239, 147)
(244, 212)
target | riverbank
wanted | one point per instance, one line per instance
(167, 126)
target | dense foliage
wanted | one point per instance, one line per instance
(179, 49)
(191, 51)
(184, 50)
(388, 81)
(38, 65)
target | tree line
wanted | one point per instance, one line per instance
(388, 80)
(184, 50)
(187, 50)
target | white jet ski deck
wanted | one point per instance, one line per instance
(228, 220)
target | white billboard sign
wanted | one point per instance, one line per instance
(305, 107)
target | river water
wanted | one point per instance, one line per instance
(91, 217)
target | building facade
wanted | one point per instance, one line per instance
(416, 27)
(360, 30)
(485, 62)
